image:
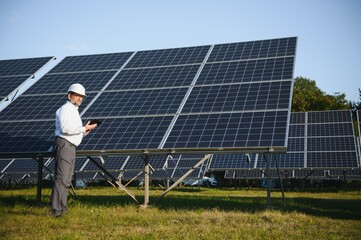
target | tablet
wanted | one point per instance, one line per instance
(95, 121)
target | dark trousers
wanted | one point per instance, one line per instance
(64, 168)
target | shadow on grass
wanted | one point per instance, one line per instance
(331, 208)
(344, 209)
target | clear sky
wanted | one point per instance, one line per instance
(328, 31)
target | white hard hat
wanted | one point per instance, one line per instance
(77, 88)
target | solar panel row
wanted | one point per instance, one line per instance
(222, 96)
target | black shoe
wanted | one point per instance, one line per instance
(54, 213)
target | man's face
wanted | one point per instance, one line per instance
(75, 99)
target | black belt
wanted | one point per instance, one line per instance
(71, 144)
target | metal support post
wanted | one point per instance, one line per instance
(280, 179)
(40, 179)
(146, 179)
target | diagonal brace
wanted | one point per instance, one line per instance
(118, 183)
(185, 175)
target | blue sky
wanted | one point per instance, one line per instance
(328, 31)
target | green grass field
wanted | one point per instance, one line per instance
(184, 213)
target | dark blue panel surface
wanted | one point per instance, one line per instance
(154, 77)
(26, 136)
(22, 166)
(330, 116)
(327, 160)
(9, 84)
(229, 130)
(109, 61)
(141, 102)
(25, 66)
(27, 108)
(247, 71)
(127, 133)
(337, 143)
(240, 97)
(59, 83)
(254, 49)
(330, 129)
(165, 57)
(232, 161)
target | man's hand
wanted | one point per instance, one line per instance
(89, 127)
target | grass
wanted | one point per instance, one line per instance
(185, 213)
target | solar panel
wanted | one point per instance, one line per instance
(316, 140)
(14, 72)
(26, 66)
(232, 161)
(22, 166)
(137, 163)
(10, 83)
(37, 107)
(3, 164)
(229, 96)
(330, 140)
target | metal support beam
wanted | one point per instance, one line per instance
(185, 175)
(120, 186)
(40, 179)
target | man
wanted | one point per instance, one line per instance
(69, 132)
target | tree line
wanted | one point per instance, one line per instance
(308, 97)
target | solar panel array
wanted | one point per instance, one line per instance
(233, 95)
(14, 72)
(323, 140)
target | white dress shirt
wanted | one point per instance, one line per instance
(68, 123)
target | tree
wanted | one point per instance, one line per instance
(308, 97)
